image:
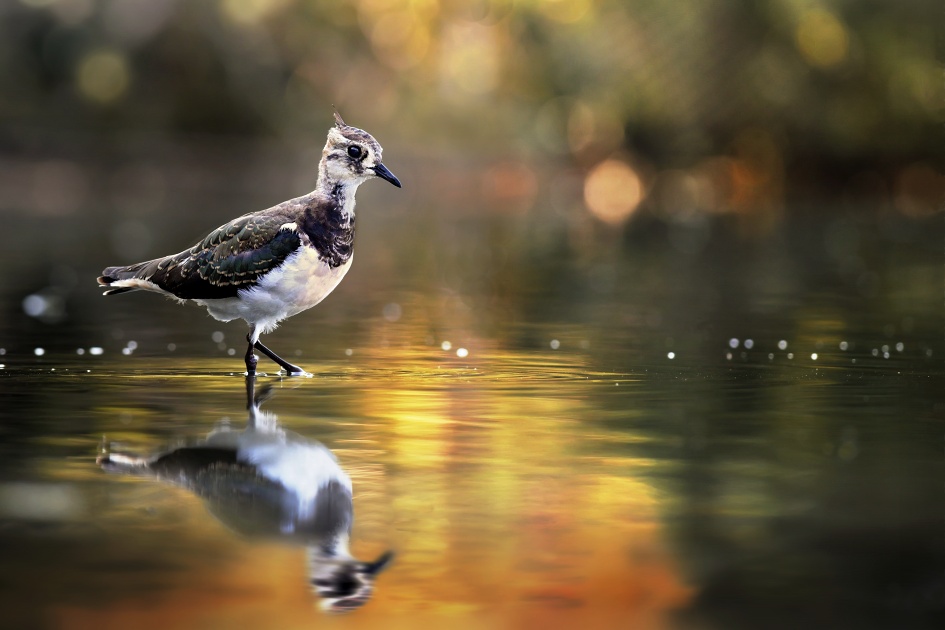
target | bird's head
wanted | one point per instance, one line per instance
(347, 584)
(351, 157)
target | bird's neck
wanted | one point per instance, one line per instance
(332, 549)
(328, 220)
(341, 193)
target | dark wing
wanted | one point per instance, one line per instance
(230, 258)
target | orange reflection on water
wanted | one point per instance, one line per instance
(505, 516)
(506, 505)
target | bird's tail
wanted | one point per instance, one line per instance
(123, 463)
(112, 276)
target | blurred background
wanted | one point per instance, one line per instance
(692, 251)
(541, 142)
(596, 115)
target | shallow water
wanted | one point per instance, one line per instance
(635, 438)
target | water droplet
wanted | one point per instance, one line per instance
(446, 345)
(813, 356)
(790, 355)
(80, 351)
(217, 336)
(771, 356)
(555, 344)
(670, 355)
(132, 345)
(900, 347)
(95, 350)
(733, 343)
(231, 351)
(749, 343)
(462, 353)
(782, 345)
(885, 348)
(172, 347)
(844, 345)
(349, 352)
(875, 352)
(126, 351)
(885, 355)
(728, 356)
(39, 352)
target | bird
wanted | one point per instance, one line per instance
(265, 266)
(265, 482)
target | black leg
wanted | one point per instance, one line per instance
(250, 391)
(288, 367)
(250, 357)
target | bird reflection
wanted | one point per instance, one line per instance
(265, 481)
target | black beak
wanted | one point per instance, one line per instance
(373, 568)
(383, 173)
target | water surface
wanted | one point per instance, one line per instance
(635, 438)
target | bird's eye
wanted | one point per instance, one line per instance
(354, 151)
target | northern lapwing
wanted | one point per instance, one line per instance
(265, 482)
(269, 265)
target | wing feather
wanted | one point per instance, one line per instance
(230, 258)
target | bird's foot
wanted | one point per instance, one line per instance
(290, 370)
(294, 370)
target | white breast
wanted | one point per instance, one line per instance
(298, 464)
(302, 466)
(300, 283)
